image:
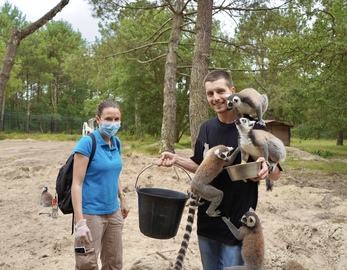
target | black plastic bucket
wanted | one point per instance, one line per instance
(160, 210)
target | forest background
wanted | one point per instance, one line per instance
(294, 51)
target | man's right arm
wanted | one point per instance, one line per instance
(169, 159)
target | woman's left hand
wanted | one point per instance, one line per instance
(124, 207)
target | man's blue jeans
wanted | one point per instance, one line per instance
(216, 255)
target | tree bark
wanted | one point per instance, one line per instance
(168, 127)
(138, 121)
(198, 106)
(12, 46)
(340, 138)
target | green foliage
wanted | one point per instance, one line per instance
(10, 17)
(295, 54)
(136, 79)
(38, 84)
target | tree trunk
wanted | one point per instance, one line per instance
(7, 65)
(168, 127)
(28, 102)
(2, 118)
(198, 106)
(12, 46)
(138, 122)
(340, 138)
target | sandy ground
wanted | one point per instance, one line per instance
(303, 218)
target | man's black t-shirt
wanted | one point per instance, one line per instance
(238, 195)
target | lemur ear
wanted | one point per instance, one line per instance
(251, 123)
(251, 209)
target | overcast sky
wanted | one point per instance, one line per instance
(77, 12)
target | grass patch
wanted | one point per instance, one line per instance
(324, 148)
(40, 136)
(135, 148)
(317, 165)
(149, 145)
(335, 156)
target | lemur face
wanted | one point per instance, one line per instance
(244, 124)
(236, 101)
(224, 154)
(229, 102)
(249, 220)
(233, 101)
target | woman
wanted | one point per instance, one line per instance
(95, 192)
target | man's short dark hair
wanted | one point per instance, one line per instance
(217, 75)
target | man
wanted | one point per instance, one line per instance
(218, 247)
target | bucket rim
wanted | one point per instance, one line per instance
(153, 164)
(184, 196)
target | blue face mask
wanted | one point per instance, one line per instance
(109, 129)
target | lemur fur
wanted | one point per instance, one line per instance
(251, 235)
(259, 143)
(249, 101)
(193, 204)
(215, 160)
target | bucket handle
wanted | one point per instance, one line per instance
(151, 165)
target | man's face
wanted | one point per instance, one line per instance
(216, 93)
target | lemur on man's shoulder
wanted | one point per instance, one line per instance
(249, 101)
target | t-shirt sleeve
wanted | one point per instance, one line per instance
(200, 145)
(84, 146)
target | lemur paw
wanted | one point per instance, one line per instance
(270, 167)
(225, 219)
(262, 123)
(199, 203)
(213, 213)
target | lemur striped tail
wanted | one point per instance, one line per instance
(193, 204)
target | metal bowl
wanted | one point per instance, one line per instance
(243, 171)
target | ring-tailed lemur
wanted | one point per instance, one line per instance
(251, 235)
(249, 101)
(260, 143)
(46, 197)
(193, 204)
(215, 160)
